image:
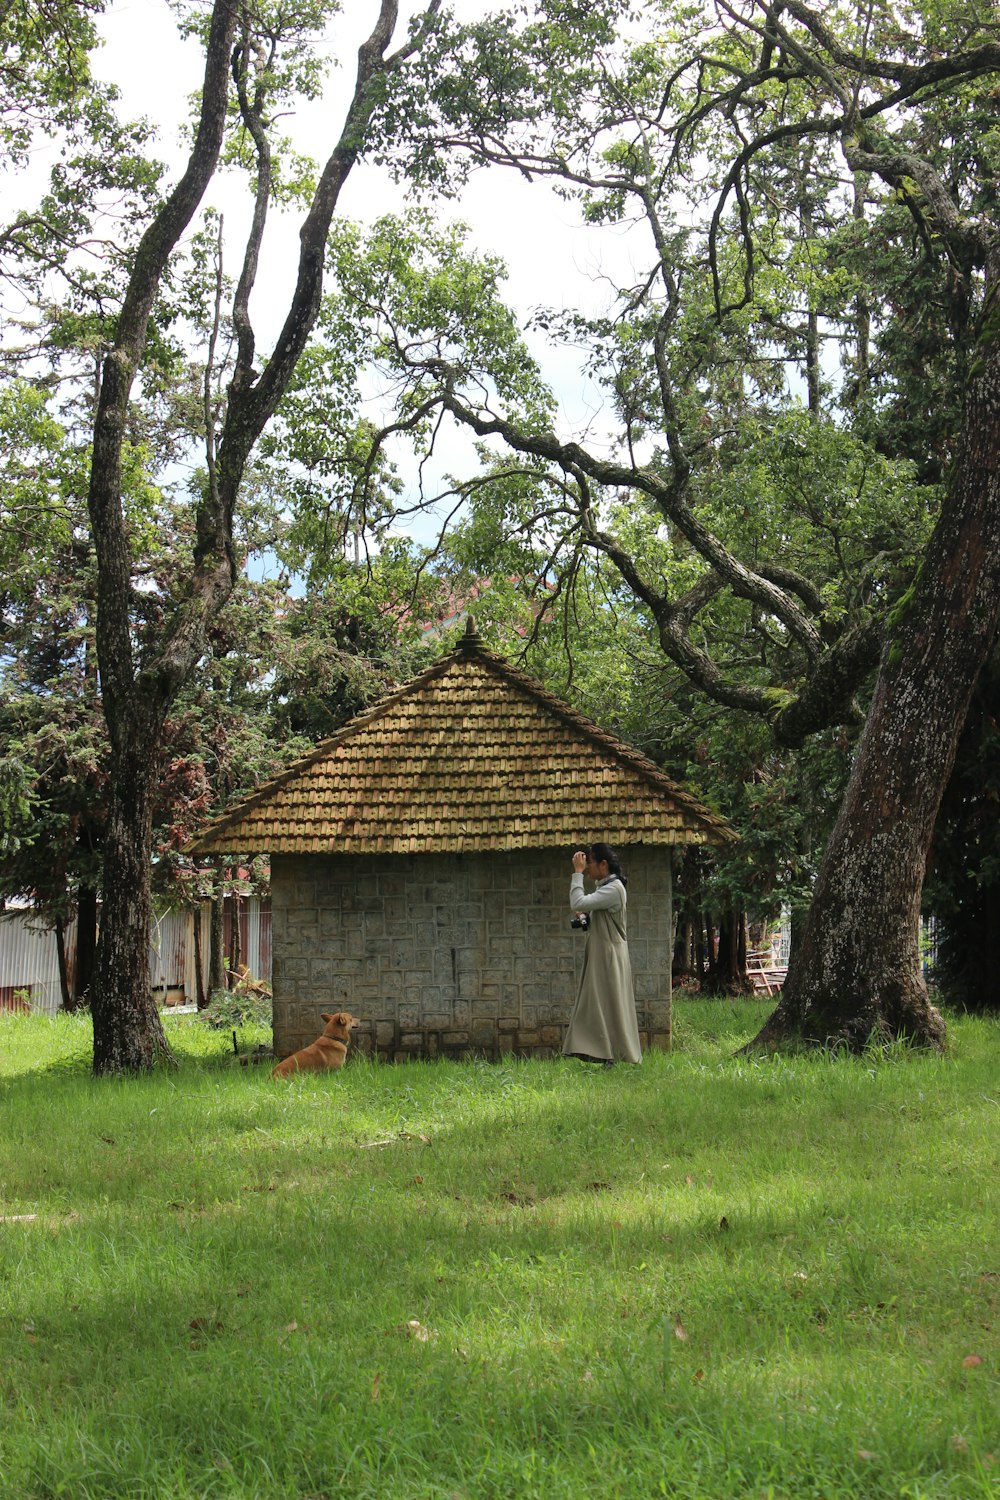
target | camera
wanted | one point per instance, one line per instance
(581, 920)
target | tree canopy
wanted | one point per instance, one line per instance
(817, 192)
(788, 493)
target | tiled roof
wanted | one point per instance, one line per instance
(470, 755)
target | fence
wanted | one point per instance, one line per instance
(29, 963)
(929, 946)
(781, 942)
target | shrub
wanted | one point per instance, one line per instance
(240, 1007)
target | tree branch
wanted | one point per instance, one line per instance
(743, 581)
(121, 363)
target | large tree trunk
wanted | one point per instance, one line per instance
(66, 999)
(127, 1031)
(128, 1034)
(731, 963)
(856, 973)
(217, 941)
(199, 963)
(964, 877)
(137, 693)
(86, 943)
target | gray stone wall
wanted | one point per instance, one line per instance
(452, 955)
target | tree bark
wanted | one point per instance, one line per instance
(66, 999)
(199, 977)
(128, 1033)
(964, 879)
(216, 942)
(731, 963)
(235, 936)
(682, 965)
(856, 973)
(86, 943)
(137, 695)
(706, 951)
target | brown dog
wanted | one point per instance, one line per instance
(328, 1050)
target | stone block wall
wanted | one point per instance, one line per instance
(451, 954)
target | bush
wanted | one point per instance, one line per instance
(241, 1007)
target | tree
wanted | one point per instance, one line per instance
(52, 769)
(588, 637)
(140, 679)
(805, 159)
(153, 623)
(964, 877)
(282, 671)
(796, 140)
(49, 97)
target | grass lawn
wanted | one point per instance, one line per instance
(705, 1277)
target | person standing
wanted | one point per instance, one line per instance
(603, 1026)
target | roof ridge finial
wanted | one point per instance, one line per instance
(471, 640)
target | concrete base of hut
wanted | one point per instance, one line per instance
(452, 955)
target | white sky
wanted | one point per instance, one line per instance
(552, 259)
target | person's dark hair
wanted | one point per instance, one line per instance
(599, 852)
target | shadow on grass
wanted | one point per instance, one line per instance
(704, 1273)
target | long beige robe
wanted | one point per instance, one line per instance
(603, 1024)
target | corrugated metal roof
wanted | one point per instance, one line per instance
(470, 755)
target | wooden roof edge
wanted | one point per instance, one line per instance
(239, 810)
(602, 737)
(347, 846)
(469, 647)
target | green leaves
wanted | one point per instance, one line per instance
(45, 48)
(516, 82)
(35, 519)
(15, 799)
(431, 304)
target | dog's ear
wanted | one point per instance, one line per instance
(325, 1017)
(343, 1018)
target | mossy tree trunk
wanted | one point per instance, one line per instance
(856, 972)
(216, 941)
(128, 1033)
(138, 688)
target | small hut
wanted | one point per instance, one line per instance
(420, 863)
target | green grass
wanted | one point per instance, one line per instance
(445, 1280)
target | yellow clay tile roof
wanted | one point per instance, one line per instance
(470, 755)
